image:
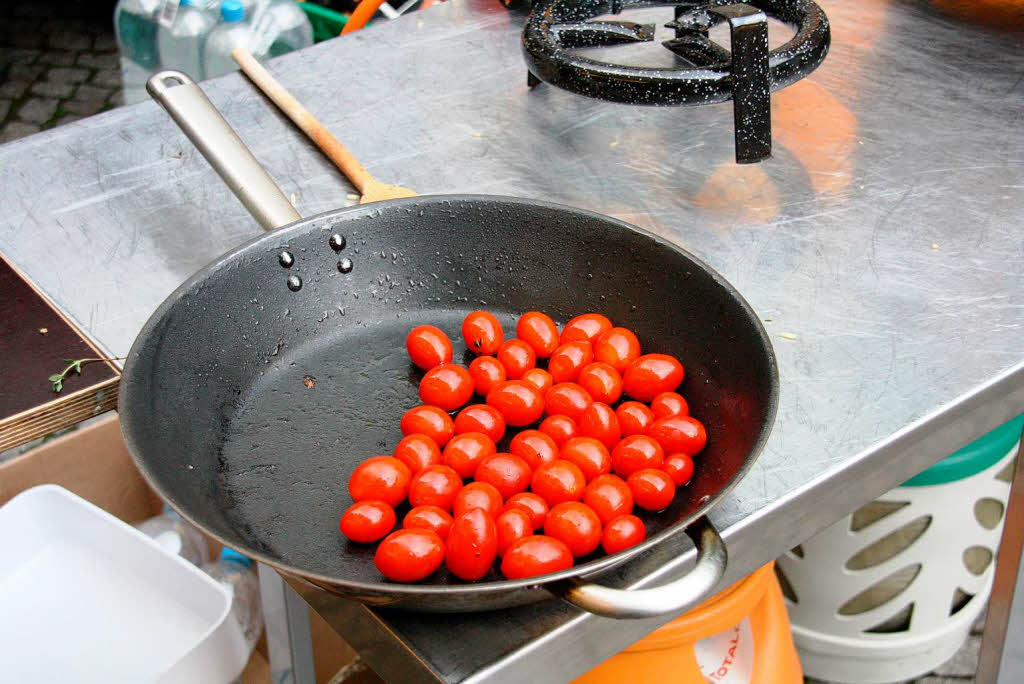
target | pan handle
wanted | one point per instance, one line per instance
(669, 599)
(216, 140)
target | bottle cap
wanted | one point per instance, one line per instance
(232, 11)
(186, 3)
(226, 553)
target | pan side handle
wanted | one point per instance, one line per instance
(669, 599)
(217, 141)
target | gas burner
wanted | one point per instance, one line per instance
(712, 73)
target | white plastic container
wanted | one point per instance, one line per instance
(85, 597)
(233, 31)
(180, 46)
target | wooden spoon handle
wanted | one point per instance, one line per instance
(302, 118)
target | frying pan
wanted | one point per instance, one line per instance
(256, 388)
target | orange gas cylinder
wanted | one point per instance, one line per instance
(738, 636)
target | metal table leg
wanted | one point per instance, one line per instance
(289, 644)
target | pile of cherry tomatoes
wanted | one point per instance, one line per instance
(576, 476)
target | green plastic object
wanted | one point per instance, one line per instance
(973, 458)
(326, 23)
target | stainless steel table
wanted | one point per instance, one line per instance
(882, 245)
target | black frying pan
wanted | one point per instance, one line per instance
(247, 400)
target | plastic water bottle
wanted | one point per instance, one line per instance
(177, 536)
(135, 23)
(181, 45)
(280, 26)
(235, 572)
(233, 32)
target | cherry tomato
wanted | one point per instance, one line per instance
(559, 428)
(602, 381)
(558, 481)
(534, 447)
(472, 545)
(519, 402)
(381, 478)
(512, 525)
(600, 422)
(609, 496)
(634, 418)
(652, 489)
(428, 346)
(517, 357)
(567, 399)
(679, 433)
(507, 472)
(417, 452)
(430, 421)
(622, 533)
(465, 452)
(532, 504)
(568, 360)
(650, 375)
(446, 386)
(587, 454)
(435, 486)
(409, 555)
(433, 518)
(575, 524)
(538, 331)
(480, 418)
(618, 348)
(478, 495)
(670, 404)
(367, 521)
(539, 378)
(482, 332)
(636, 453)
(486, 372)
(536, 555)
(679, 467)
(586, 327)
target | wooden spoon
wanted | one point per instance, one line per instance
(369, 187)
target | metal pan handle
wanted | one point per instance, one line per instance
(214, 138)
(669, 599)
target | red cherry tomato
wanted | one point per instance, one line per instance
(636, 453)
(586, 327)
(650, 375)
(482, 332)
(519, 402)
(433, 518)
(472, 545)
(512, 525)
(622, 533)
(534, 447)
(587, 454)
(409, 555)
(480, 418)
(532, 504)
(538, 331)
(478, 495)
(435, 486)
(602, 381)
(575, 524)
(367, 521)
(536, 555)
(539, 378)
(446, 386)
(507, 472)
(381, 478)
(558, 481)
(430, 421)
(609, 496)
(465, 452)
(670, 404)
(679, 433)
(652, 489)
(559, 428)
(567, 399)
(417, 452)
(486, 372)
(634, 418)
(517, 357)
(568, 360)
(600, 422)
(618, 348)
(428, 346)
(679, 467)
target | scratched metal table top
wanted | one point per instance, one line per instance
(882, 245)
